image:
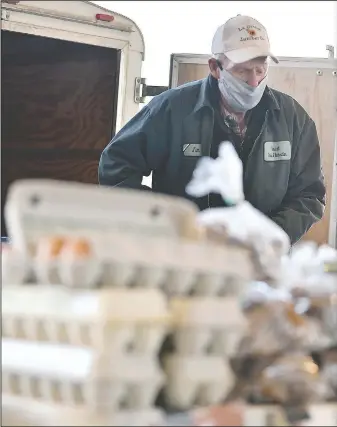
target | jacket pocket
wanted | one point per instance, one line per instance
(267, 175)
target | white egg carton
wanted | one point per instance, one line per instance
(138, 239)
(15, 265)
(37, 207)
(75, 375)
(24, 411)
(206, 325)
(109, 320)
(196, 380)
(179, 267)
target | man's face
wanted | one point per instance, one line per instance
(252, 72)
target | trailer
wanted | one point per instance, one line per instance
(71, 78)
(68, 79)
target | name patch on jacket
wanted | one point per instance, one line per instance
(192, 150)
(278, 150)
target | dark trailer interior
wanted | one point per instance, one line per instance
(58, 108)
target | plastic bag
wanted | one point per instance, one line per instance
(294, 382)
(240, 222)
(276, 324)
(328, 361)
(273, 362)
(246, 224)
(307, 261)
(222, 175)
(260, 293)
(306, 274)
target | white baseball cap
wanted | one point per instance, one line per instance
(241, 39)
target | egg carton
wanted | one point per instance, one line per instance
(206, 325)
(109, 320)
(112, 339)
(176, 266)
(15, 265)
(195, 381)
(23, 411)
(36, 208)
(77, 376)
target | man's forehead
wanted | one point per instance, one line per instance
(262, 61)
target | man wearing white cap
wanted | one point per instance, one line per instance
(273, 135)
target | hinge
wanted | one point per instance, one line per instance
(5, 14)
(142, 90)
(331, 51)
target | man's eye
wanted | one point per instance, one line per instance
(260, 71)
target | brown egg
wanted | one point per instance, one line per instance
(50, 247)
(56, 245)
(79, 247)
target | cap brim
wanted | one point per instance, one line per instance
(239, 56)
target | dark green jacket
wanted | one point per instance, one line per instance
(282, 173)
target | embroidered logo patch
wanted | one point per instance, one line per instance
(278, 150)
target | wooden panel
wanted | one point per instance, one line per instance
(61, 95)
(66, 168)
(317, 94)
(58, 110)
(191, 72)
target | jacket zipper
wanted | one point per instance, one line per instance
(209, 155)
(262, 129)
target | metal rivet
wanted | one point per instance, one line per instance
(319, 72)
(155, 211)
(35, 200)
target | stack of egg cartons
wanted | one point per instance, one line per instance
(81, 342)
(205, 335)
(90, 356)
(206, 328)
(87, 355)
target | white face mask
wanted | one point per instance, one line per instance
(239, 95)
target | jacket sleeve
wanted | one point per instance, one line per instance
(304, 202)
(139, 147)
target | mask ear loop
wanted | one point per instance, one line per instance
(219, 65)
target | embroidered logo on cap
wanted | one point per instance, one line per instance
(251, 32)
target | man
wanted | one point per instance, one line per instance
(273, 135)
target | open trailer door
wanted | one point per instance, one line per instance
(68, 72)
(313, 83)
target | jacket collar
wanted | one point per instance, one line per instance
(209, 95)
(205, 94)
